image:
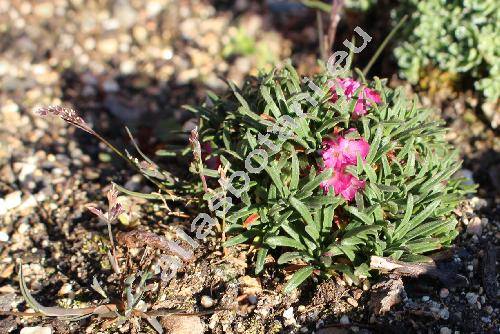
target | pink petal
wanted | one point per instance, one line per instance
(372, 95)
(350, 149)
(352, 188)
(343, 184)
(365, 97)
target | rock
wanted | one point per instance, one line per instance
(108, 46)
(344, 320)
(289, 317)
(65, 289)
(478, 203)
(426, 298)
(288, 313)
(385, 294)
(444, 314)
(445, 330)
(252, 299)
(486, 320)
(175, 324)
(490, 110)
(352, 301)
(444, 293)
(10, 201)
(207, 302)
(4, 237)
(249, 285)
(44, 9)
(128, 66)
(471, 298)
(110, 86)
(36, 330)
(475, 227)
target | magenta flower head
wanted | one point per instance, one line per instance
(341, 152)
(366, 96)
(338, 154)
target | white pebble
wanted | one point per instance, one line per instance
(36, 330)
(207, 302)
(425, 298)
(288, 313)
(4, 237)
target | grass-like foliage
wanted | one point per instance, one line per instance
(459, 36)
(365, 171)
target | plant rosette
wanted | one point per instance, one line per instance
(336, 174)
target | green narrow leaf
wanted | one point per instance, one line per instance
(261, 260)
(288, 257)
(302, 210)
(314, 183)
(284, 242)
(297, 279)
(294, 182)
(374, 146)
(241, 238)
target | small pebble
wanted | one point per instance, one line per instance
(4, 237)
(444, 293)
(425, 298)
(206, 302)
(288, 313)
(36, 330)
(344, 320)
(486, 320)
(65, 289)
(445, 330)
(252, 299)
(471, 298)
(352, 301)
(444, 314)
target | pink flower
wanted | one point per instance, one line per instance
(338, 154)
(343, 184)
(366, 96)
(341, 152)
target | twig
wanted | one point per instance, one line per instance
(321, 38)
(196, 146)
(445, 275)
(337, 6)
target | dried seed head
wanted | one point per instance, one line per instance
(67, 114)
(112, 196)
(195, 144)
(96, 211)
(115, 212)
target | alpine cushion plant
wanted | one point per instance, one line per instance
(458, 36)
(364, 171)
